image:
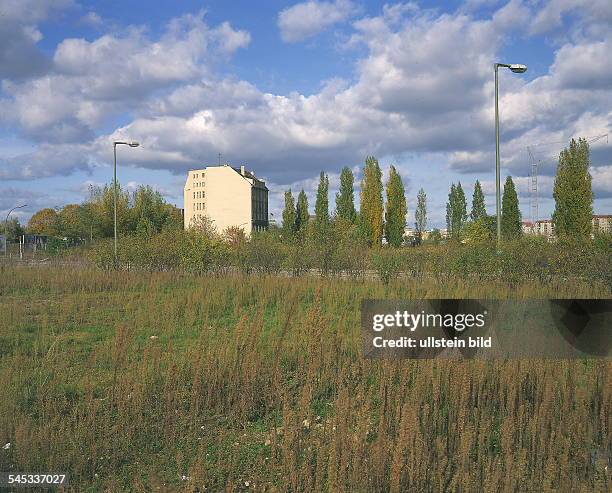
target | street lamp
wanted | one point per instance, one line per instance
(6, 223)
(517, 69)
(131, 143)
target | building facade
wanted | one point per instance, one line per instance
(228, 196)
(601, 224)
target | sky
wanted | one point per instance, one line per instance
(290, 89)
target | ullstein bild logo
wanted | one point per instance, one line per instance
(486, 329)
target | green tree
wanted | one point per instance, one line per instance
(149, 210)
(395, 210)
(289, 216)
(573, 192)
(100, 210)
(456, 211)
(301, 213)
(449, 208)
(479, 211)
(322, 204)
(44, 222)
(345, 198)
(511, 214)
(371, 203)
(435, 237)
(72, 222)
(476, 232)
(420, 213)
(12, 228)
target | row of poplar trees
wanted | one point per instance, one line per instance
(572, 192)
(377, 220)
(374, 221)
(457, 219)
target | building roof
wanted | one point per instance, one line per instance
(258, 182)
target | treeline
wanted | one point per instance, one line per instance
(383, 211)
(378, 217)
(144, 211)
(344, 254)
(382, 215)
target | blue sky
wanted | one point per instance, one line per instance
(293, 88)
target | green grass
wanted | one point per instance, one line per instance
(237, 365)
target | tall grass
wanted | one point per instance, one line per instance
(170, 382)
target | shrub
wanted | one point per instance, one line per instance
(387, 262)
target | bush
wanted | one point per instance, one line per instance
(388, 263)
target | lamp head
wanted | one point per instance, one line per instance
(518, 68)
(133, 143)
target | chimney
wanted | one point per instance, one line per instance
(242, 171)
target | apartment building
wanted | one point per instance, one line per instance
(601, 224)
(228, 196)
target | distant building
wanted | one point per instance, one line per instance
(228, 196)
(527, 227)
(545, 227)
(602, 224)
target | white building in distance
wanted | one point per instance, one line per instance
(602, 223)
(228, 196)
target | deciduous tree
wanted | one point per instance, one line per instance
(456, 211)
(44, 222)
(322, 203)
(371, 203)
(345, 198)
(289, 216)
(395, 211)
(511, 214)
(573, 192)
(301, 213)
(479, 211)
(420, 213)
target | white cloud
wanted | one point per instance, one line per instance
(550, 14)
(94, 80)
(20, 56)
(602, 181)
(584, 65)
(423, 86)
(230, 40)
(306, 19)
(92, 19)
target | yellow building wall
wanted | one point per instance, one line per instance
(222, 194)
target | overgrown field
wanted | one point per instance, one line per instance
(134, 381)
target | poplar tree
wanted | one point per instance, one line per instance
(345, 198)
(395, 210)
(479, 210)
(289, 216)
(461, 209)
(449, 209)
(322, 203)
(301, 213)
(371, 203)
(420, 213)
(456, 211)
(573, 192)
(511, 214)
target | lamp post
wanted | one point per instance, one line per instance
(6, 224)
(517, 69)
(131, 143)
